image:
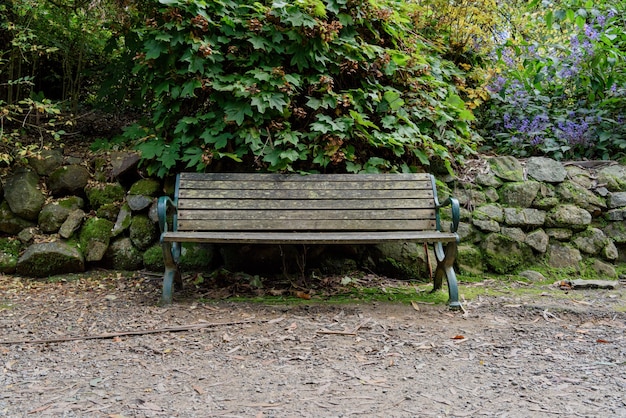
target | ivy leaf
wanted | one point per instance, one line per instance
(154, 49)
(259, 103)
(394, 99)
(237, 112)
(189, 87)
(258, 42)
(277, 101)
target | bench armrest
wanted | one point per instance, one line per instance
(163, 204)
(456, 212)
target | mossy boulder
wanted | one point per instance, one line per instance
(404, 260)
(614, 177)
(507, 168)
(196, 256)
(563, 256)
(123, 221)
(146, 187)
(50, 258)
(21, 191)
(100, 194)
(143, 232)
(46, 161)
(123, 255)
(11, 223)
(519, 194)
(95, 237)
(504, 255)
(153, 258)
(142, 193)
(69, 179)
(9, 254)
(470, 260)
(108, 211)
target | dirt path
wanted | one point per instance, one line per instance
(505, 357)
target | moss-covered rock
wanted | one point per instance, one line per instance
(95, 237)
(401, 260)
(123, 255)
(10, 223)
(9, 253)
(69, 179)
(195, 256)
(108, 211)
(21, 191)
(50, 258)
(100, 194)
(143, 232)
(153, 258)
(470, 260)
(504, 255)
(145, 187)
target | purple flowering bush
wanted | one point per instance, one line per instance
(564, 99)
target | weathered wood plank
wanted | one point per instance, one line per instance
(304, 225)
(308, 185)
(309, 237)
(303, 178)
(305, 194)
(376, 214)
(194, 203)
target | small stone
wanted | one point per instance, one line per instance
(533, 276)
(72, 223)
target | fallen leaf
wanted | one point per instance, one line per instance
(602, 341)
(458, 337)
(415, 305)
(302, 295)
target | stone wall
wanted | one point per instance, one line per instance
(518, 214)
(62, 214)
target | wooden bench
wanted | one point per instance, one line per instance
(245, 208)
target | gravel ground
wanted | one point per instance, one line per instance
(110, 351)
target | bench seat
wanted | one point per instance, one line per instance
(268, 208)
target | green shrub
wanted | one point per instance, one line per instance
(310, 85)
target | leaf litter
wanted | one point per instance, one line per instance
(501, 356)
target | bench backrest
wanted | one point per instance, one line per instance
(315, 202)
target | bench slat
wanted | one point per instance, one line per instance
(308, 237)
(304, 225)
(308, 185)
(245, 204)
(374, 214)
(300, 194)
(304, 178)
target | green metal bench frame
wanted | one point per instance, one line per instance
(267, 208)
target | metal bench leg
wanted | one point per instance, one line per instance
(171, 276)
(445, 266)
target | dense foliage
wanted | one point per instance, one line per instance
(562, 92)
(318, 85)
(311, 85)
(54, 58)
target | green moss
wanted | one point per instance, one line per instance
(196, 257)
(11, 246)
(95, 229)
(9, 253)
(143, 232)
(71, 203)
(394, 268)
(470, 260)
(153, 258)
(504, 255)
(145, 187)
(108, 211)
(102, 194)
